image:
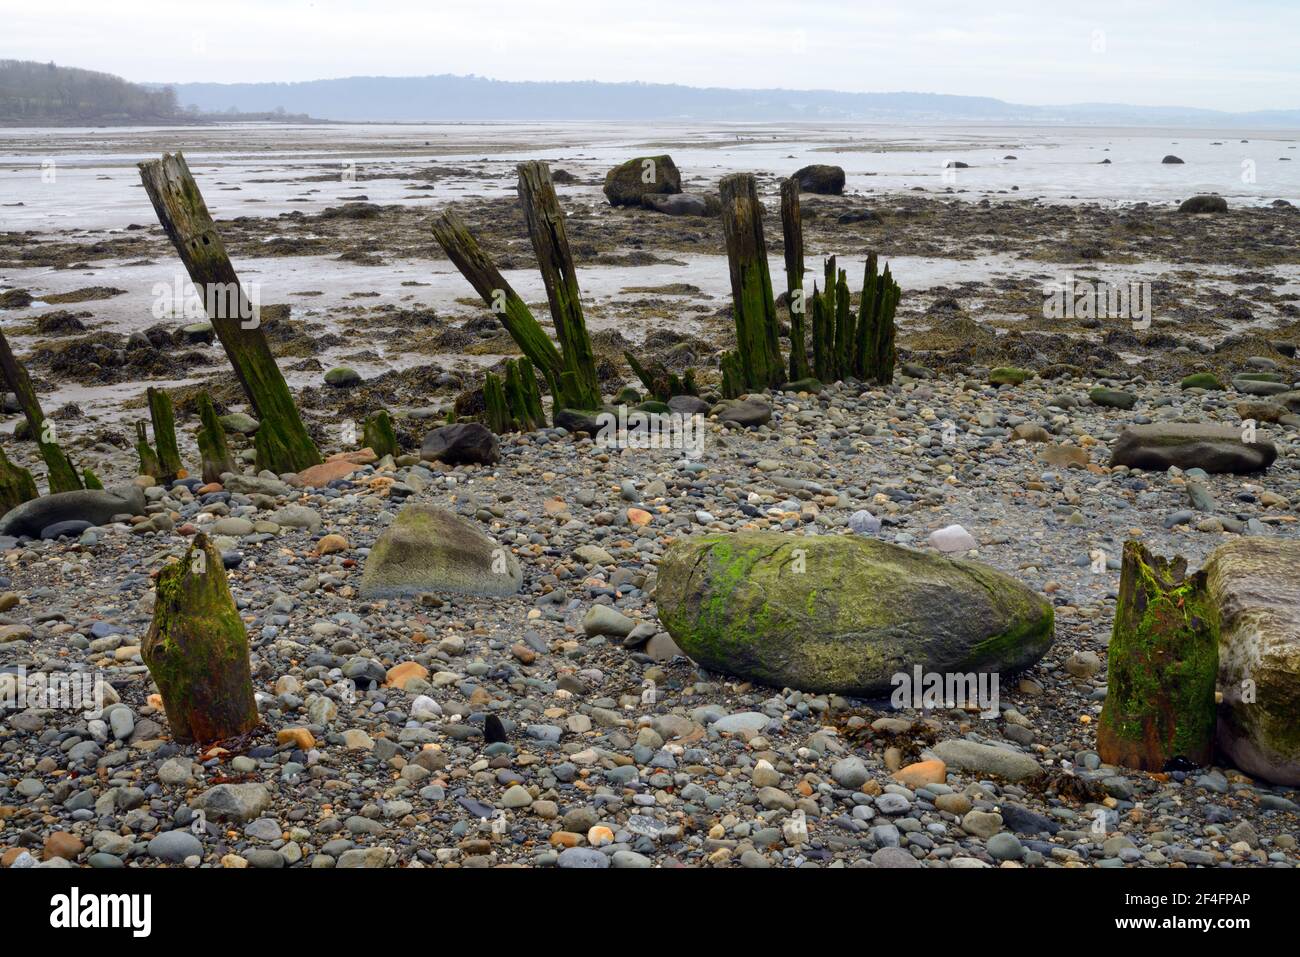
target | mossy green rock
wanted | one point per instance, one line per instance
(341, 377)
(1255, 585)
(1008, 375)
(1202, 380)
(834, 613)
(626, 183)
(1112, 398)
(429, 549)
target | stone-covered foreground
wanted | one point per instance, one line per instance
(376, 747)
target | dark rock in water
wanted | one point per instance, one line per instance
(750, 413)
(429, 549)
(562, 176)
(465, 443)
(1214, 448)
(843, 613)
(71, 529)
(688, 405)
(820, 178)
(95, 506)
(1171, 159)
(1204, 204)
(956, 164)
(682, 204)
(494, 732)
(577, 420)
(1024, 821)
(627, 183)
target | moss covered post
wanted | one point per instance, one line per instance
(144, 451)
(579, 385)
(214, 452)
(758, 346)
(282, 442)
(378, 434)
(62, 475)
(875, 353)
(164, 434)
(197, 650)
(792, 233)
(476, 266)
(16, 484)
(1162, 666)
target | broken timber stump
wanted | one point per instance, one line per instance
(792, 233)
(16, 484)
(164, 434)
(874, 352)
(214, 452)
(579, 386)
(62, 475)
(757, 332)
(282, 442)
(378, 435)
(197, 650)
(148, 457)
(1162, 666)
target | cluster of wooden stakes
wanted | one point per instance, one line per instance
(843, 344)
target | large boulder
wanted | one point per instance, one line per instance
(465, 443)
(1204, 204)
(626, 183)
(1255, 584)
(836, 613)
(1214, 448)
(429, 549)
(820, 178)
(96, 506)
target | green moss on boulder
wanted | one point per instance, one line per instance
(429, 549)
(833, 613)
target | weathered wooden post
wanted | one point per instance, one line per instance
(214, 451)
(579, 385)
(148, 457)
(282, 442)
(164, 434)
(874, 353)
(758, 344)
(495, 407)
(197, 650)
(476, 266)
(378, 435)
(16, 484)
(62, 475)
(1161, 667)
(792, 233)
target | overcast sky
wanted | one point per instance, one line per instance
(1242, 55)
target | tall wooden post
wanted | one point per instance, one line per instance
(16, 484)
(792, 233)
(578, 382)
(757, 333)
(282, 442)
(62, 475)
(164, 434)
(214, 451)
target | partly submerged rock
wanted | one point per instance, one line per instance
(97, 506)
(1214, 448)
(1255, 584)
(833, 613)
(429, 549)
(1204, 204)
(682, 204)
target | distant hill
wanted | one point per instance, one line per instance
(43, 94)
(469, 98)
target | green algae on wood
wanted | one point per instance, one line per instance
(62, 475)
(282, 443)
(792, 235)
(1161, 666)
(197, 650)
(16, 484)
(164, 434)
(214, 451)
(758, 348)
(377, 434)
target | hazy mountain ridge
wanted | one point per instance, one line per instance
(450, 97)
